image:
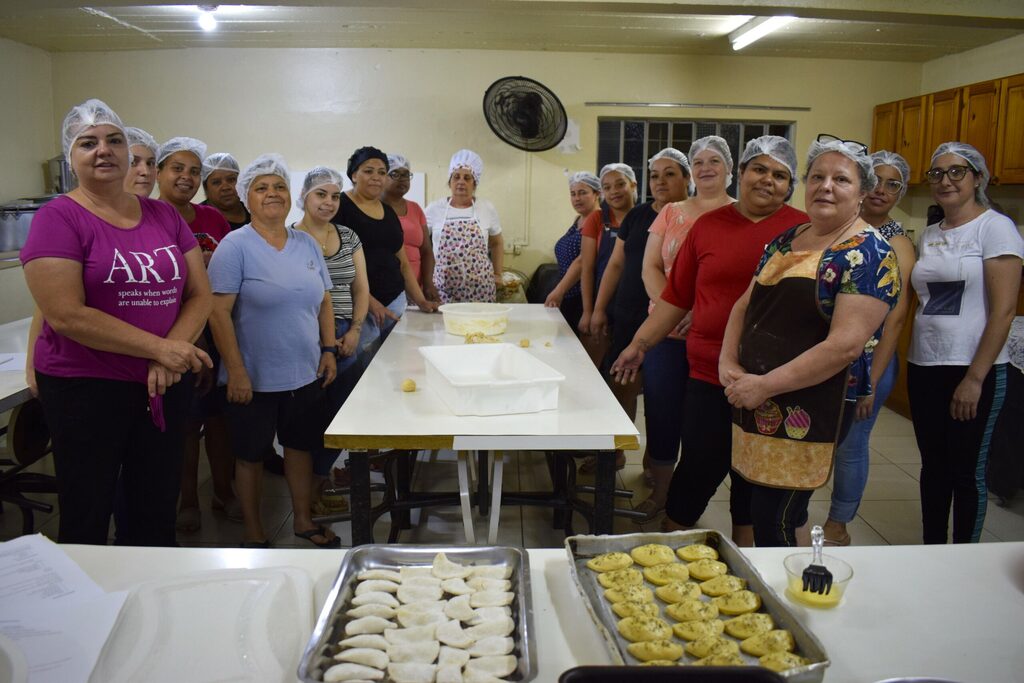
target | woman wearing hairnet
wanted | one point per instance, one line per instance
(120, 282)
(418, 248)
(350, 300)
(880, 363)
(585, 197)
(220, 175)
(142, 173)
(469, 251)
(667, 369)
(818, 297)
(273, 324)
(966, 279)
(712, 269)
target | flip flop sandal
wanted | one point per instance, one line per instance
(838, 542)
(650, 509)
(189, 520)
(310, 534)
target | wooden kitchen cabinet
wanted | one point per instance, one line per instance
(942, 113)
(979, 118)
(883, 127)
(910, 135)
(1009, 161)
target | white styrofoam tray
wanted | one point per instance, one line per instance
(490, 379)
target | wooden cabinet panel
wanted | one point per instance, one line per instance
(883, 127)
(943, 121)
(1009, 166)
(979, 118)
(910, 135)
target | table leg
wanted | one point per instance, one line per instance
(404, 464)
(604, 490)
(359, 493)
(559, 477)
(499, 468)
(482, 498)
(464, 496)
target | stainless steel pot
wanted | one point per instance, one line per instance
(15, 221)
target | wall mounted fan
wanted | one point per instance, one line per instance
(524, 113)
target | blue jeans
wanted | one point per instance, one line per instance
(851, 468)
(665, 375)
(349, 372)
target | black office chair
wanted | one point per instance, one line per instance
(28, 441)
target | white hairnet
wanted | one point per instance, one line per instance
(853, 151)
(587, 178)
(673, 154)
(219, 161)
(197, 147)
(399, 161)
(264, 164)
(84, 116)
(467, 158)
(624, 169)
(974, 159)
(139, 137)
(775, 147)
(318, 176)
(719, 146)
(884, 157)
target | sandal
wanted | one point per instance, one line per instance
(231, 509)
(189, 520)
(843, 540)
(310, 534)
(650, 509)
(589, 464)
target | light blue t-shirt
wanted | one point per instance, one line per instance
(276, 312)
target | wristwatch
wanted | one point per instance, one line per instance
(328, 349)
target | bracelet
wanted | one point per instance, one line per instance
(328, 349)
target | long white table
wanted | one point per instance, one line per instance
(13, 389)
(379, 415)
(954, 612)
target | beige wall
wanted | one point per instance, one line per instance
(27, 136)
(316, 106)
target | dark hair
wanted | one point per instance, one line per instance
(361, 156)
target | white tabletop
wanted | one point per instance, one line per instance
(379, 414)
(954, 612)
(13, 339)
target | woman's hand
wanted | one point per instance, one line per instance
(684, 325)
(425, 305)
(380, 312)
(239, 387)
(181, 356)
(205, 381)
(554, 299)
(498, 282)
(159, 378)
(584, 324)
(728, 369)
(599, 323)
(865, 406)
(746, 390)
(328, 368)
(30, 380)
(430, 291)
(348, 343)
(964, 405)
(627, 365)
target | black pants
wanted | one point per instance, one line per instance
(1006, 459)
(105, 445)
(954, 453)
(706, 458)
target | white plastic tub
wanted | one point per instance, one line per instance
(490, 379)
(467, 318)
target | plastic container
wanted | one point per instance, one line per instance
(468, 318)
(841, 575)
(490, 379)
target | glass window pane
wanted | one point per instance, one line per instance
(609, 141)
(706, 128)
(781, 129)
(657, 137)
(751, 131)
(682, 135)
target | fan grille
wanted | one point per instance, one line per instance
(524, 113)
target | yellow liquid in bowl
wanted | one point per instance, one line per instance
(830, 599)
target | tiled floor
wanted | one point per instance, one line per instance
(889, 514)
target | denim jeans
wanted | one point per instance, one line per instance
(665, 376)
(851, 466)
(349, 372)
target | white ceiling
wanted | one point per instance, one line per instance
(912, 30)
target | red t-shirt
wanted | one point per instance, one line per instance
(209, 227)
(592, 226)
(713, 268)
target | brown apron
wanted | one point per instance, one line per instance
(789, 440)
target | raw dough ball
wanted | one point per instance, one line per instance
(408, 386)
(524, 343)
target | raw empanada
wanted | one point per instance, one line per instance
(407, 573)
(778, 640)
(491, 598)
(424, 652)
(476, 676)
(459, 608)
(660, 574)
(367, 656)
(375, 598)
(697, 551)
(499, 666)
(410, 618)
(640, 628)
(649, 650)
(456, 587)
(431, 581)
(492, 627)
(372, 610)
(411, 672)
(451, 633)
(482, 583)
(416, 634)
(652, 554)
(448, 674)
(446, 569)
(491, 646)
(489, 614)
(347, 671)
(367, 625)
(382, 574)
(452, 656)
(610, 562)
(376, 585)
(376, 641)
(491, 571)
(419, 593)
(697, 629)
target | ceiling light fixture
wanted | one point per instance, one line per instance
(207, 22)
(755, 29)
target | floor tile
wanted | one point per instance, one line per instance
(889, 482)
(897, 449)
(897, 521)
(1006, 523)
(860, 531)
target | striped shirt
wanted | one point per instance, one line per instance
(342, 269)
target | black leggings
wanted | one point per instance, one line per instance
(105, 445)
(954, 453)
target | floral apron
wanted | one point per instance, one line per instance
(463, 269)
(789, 440)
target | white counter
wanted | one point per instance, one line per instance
(13, 389)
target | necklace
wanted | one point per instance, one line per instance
(321, 242)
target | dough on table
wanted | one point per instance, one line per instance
(692, 610)
(750, 624)
(411, 672)
(347, 671)
(678, 591)
(372, 610)
(652, 554)
(697, 551)
(640, 628)
(778, 640)
(697, 629)
(660, 574)
(655, 650)
(367, 656)
(720, 585)
(376, 641)
(738, 602)
(629, 594)
(635, 609)
(781, 661)
(621, 578)
(712, 645)
(707, 569)
(610, 562)
(424, 653)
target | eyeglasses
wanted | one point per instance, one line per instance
(892, 187)
(398, 175)
(934, 175)
(852, 145)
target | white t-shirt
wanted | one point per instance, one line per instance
(949, 280)
(440, 210)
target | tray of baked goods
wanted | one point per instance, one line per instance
(689, 598)
(425, 614)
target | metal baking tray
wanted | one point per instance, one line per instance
(582, 548)
(330, 625)
(670, 674)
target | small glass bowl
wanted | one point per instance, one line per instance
(841, 575)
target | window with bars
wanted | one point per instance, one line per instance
(634, 141)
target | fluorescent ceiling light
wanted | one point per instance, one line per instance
(755, 29)
(207, 22)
